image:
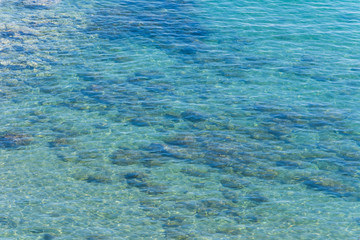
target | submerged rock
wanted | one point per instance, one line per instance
(288, 164)
(60, 142)
(262, 173)
(182, 140)
(229, 230)
(206, 212)
(154, 189)
(193, 116)
(140, 180)
(136, 179)
(256, 197)
(174, 233)
(172, 117)
(125, 157)
(134, 175)
(231, 195)
(194, 172)
(48, 236)
(97, 179)
(329, 186)
(14, 140)
(234, 182)
(92, 178)
(157, 148)
(212, 207)
(220, 162)
(151, 162)
(173, 221)
(96, 237)
(240, 218)
(215, 204)
(139, 122)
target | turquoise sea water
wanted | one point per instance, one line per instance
(193, 119)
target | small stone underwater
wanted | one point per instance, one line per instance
(179, 120)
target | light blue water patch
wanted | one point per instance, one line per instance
(179, 120)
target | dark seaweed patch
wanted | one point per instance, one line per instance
(193, 116)
(182, 140)
(14, 140)
(125, 157)
(256, 197)
(215, 204)
(173, 233)
(159, 149)
(234, 182)
(96, 237)
(173, 221)
(155, 189)
(193, 172)
(140, 180)
(231, 195)
(7, 34)
(288, 164)
(139, 122)
(136, 179)
(172, 117)
(220, 162)
(48, 236)
(228, 230)
(163, 24)
(135, 175)
(97, 179)
(329, 186)
(151, 162)
(60, 142)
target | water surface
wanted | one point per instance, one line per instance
(185, 119)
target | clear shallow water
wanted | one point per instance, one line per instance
(180, 120)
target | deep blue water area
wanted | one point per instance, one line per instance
(188, 119)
